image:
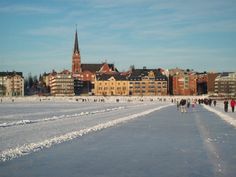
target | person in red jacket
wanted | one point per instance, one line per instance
(232, 104)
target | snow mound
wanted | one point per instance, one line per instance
(23, 122)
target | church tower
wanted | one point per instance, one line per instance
(76, 60)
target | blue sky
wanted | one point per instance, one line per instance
(38, 36)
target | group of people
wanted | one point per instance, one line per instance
(232, 104)
(184, 104)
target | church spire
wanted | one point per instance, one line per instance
(76, 44)
(76, 62)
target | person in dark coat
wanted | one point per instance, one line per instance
(188, 103)
(214, 102)
(183, 105)
(226, 105)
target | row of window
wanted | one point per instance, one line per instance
(62, 80)
(138, 83)
(112, 93)
(146, 87)
(62, 91)
(100, 83)
(111, 88)
(147, 91)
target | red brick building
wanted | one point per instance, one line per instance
(184, 83)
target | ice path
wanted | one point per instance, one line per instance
(211, 149)
(213, 152)
(33, 147)
(224, 116)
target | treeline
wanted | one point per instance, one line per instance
(34, 85)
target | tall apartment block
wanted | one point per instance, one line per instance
(225, 84)
(11, 84)
(62, 84)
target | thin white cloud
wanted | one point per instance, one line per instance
(25, 9)
(51, 31)
(115, 3)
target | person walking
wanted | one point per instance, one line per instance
(232, 104)
(183, 105)
(226, 104)
(188, 103)
(178, 104)
(214, 102)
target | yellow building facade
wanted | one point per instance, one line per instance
(111, 85)
(139, 82)
(147, 83)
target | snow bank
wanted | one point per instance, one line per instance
(110, 99)
(224, 116)
(23, 122)
(33, 147)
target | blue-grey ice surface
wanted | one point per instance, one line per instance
(164, 143)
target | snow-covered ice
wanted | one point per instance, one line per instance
(229, 117)
(196, 143)
(31, 125)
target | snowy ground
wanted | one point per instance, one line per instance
(149, 129)
(229, 117)
(30, 125)
(161, 142)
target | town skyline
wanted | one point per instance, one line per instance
(38, 37)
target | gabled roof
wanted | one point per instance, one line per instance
(11, 73)
(105, 77)
(65, 72)
(138, 74)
